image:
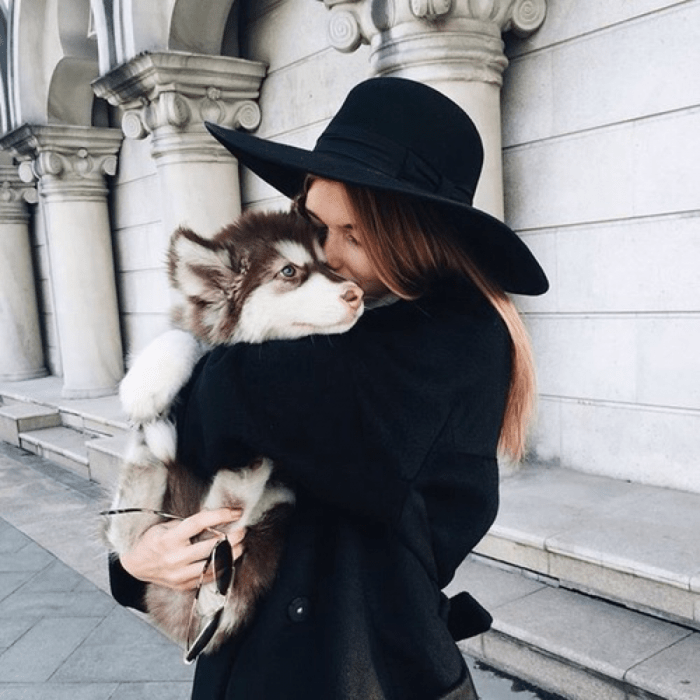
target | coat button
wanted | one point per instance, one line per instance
(298, 609)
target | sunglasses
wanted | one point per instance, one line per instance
(220, 560)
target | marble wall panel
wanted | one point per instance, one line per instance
(140, 329)
(666, 163)
(641, 68)
(284, 33)
(582, 178)
(668, 361)
(637, 359)
(135, 161)
(141, 247)
(589, 357)
(144, 292)
(567, 19)
(652, 446)
(259, 194)
(643, 168)
(309, 92)
(644, 264)
(544, 440)
(136, 202)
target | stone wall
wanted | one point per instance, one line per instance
(139, 243)
(306, 80)
(602, 165)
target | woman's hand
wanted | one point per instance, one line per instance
(167, 556)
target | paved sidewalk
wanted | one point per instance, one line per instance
(62, 637)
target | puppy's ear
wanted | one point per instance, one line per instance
(203, 270)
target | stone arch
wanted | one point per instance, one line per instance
(105, 31)
(193, 26)
(53, 60)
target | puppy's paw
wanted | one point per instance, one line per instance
(157, 375)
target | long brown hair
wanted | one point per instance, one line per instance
(410, 242)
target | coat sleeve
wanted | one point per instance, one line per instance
(349, 419)
(126, 590)
(296, 403)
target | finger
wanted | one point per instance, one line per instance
(237, 535)
(207, 519)
(200, 551)
(189, 577)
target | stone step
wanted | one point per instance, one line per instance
(101, 415)
(574, 645)
(19, 417)
(105, 456)
(61, 445)
(628, 543)
(88, 435)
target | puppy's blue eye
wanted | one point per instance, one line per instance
(288, 271)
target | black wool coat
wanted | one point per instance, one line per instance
(388, 435)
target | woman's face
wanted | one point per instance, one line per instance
(328, 206)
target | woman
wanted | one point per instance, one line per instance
(389, 433)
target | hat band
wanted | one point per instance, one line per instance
(391, 160)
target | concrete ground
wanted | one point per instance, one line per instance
(62, 636)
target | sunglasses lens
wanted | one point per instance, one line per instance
(223, 565)
(203, 638)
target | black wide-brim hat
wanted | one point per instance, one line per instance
(401, 136)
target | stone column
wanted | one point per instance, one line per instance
(454, 46)
(21, 352)
(170, 95)
(70, 163)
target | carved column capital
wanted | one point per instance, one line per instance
(15, 195)
(69, 162)
(462, 36)
(171, 95)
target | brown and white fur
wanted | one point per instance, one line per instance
(261, 278)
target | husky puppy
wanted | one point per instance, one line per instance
(260, 278)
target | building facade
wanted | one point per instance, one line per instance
(590, 114)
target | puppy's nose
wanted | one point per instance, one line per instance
(352, 296)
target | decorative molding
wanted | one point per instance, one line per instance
(69, 162)
(430, 9)
(445, 39)
(526, 17)
(175, 93)
(15, 195)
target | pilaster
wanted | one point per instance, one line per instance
(69, 164)
(21, 353)
(168, 97)
(452, 45)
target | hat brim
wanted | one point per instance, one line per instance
(494, 246)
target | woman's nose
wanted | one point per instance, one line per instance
(330, 250)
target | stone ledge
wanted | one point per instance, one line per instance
(61, 445)
(101, 415)
(626, 542)
(16, 418)
(579, 647)
(79, 426)
(105, 456)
